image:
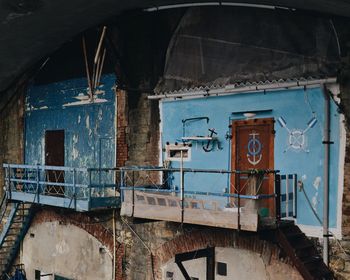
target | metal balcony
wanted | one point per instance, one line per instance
(180, 195)
(81, 189)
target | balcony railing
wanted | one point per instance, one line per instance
(82, 189)
(183, 195)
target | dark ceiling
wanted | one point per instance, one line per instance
(32, 29)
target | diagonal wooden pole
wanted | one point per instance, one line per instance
(87, 69)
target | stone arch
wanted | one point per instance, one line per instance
(89, 225)
(199, 239)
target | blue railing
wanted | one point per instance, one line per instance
(82, 189)
(151, 192)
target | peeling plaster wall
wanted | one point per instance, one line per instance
(89, 127)
(241, 264)
(67, 251)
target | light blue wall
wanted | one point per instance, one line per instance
(89, 127)
(297, 107)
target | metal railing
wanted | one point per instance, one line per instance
(288, 196)
(58, 181)
(190, 189)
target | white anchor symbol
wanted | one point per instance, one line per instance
(254, 155)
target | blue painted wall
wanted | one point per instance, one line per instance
(89, 127)
(297, 107)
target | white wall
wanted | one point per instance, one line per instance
(65, 250)
(241, 264)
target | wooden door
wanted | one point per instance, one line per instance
(253, 148)
(54, 156)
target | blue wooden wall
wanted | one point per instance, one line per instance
(89, 127)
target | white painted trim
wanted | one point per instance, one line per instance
(160, 142)
(317, 231)
(341, 164)
(115, 126)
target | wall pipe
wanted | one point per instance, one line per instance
(326, 142)
(114, 247)
(217, 3)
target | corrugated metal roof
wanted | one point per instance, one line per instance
(237, 85)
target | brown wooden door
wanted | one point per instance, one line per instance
(54, 156)
(253, 148)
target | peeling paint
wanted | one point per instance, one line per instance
(84, 126)
(100, 114)
(314, 201)
(62, 247)
(75, 152)
(317, 182)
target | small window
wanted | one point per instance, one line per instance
(37, 274)
(173, 152)
(221, 268)
(169, 275)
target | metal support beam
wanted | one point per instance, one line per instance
(208, 253)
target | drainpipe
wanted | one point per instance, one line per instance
(326, 142)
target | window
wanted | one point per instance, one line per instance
(221, 268)
(173, 152)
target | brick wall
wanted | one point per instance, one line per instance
(200, 239)
(122, 125)
(143, 133)
(11, 133)
(166, 239)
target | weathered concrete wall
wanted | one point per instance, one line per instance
(65, 250)
(75, 245)
(11, 133)
(143, 131)
(241, 264)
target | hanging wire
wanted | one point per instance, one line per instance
(320, 221)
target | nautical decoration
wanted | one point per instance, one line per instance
(254, 154)
(297, 140)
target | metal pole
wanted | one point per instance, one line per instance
(182, 190)
(133, 193)
(37, 183)
(9, 180)
(89, 171)
(114, 247)
(239, 203)
(278, 197)
(287, 196)
(326, 143)
(74, 190)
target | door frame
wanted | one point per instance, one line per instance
(251, 122)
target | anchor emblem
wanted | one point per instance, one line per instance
(254, 155)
